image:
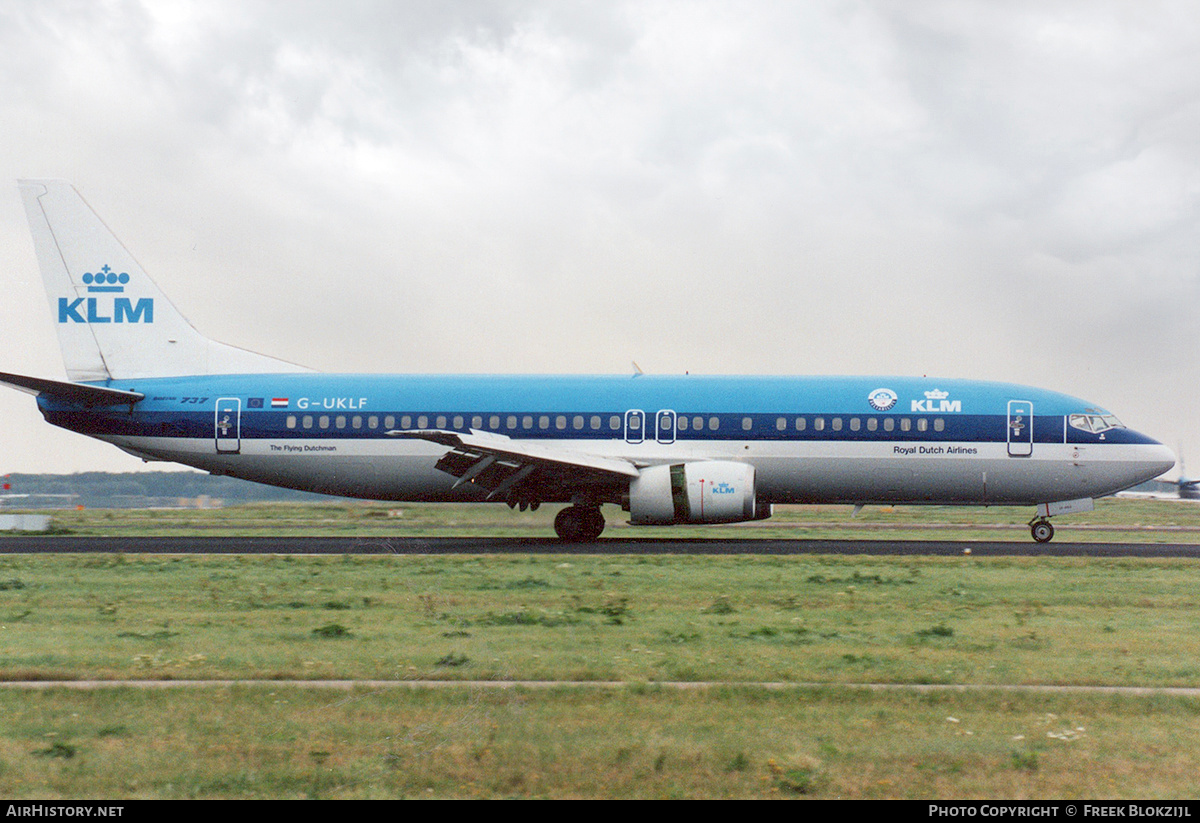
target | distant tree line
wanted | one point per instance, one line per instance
(107, 490)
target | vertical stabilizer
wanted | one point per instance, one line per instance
(113, 322)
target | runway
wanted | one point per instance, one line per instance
(550, 546)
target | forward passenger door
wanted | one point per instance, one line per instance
(1020, 428)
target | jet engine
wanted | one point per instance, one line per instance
(710, 491)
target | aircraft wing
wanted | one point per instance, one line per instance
(510, 469)
(79, 393)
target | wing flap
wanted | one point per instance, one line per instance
(519, 469)
(487, 443)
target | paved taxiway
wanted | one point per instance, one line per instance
(549, 545)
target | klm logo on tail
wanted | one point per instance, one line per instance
(105, 309)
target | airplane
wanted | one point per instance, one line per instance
(1188, 488)
(1185, 488)
(667, 449)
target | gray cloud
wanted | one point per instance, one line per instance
(971, 189)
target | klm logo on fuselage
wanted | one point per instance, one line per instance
(105, 309)
(936, 401)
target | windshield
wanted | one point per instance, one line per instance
(1095, 423)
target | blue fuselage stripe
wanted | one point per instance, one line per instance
(871, 409)
(763, 427)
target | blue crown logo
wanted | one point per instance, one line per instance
(105, 280)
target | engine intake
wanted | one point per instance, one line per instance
(711, 491)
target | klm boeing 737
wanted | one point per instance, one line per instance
(681, 449)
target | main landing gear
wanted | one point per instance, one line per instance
(579, 524)
(1041, 529)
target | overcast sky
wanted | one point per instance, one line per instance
(1002, 191)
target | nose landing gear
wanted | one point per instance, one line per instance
(1040, 526)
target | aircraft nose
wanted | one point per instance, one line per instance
(1155, 459)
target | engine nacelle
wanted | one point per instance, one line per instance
(710, 491)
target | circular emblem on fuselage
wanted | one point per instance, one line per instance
(882, 399)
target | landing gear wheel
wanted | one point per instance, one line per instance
(593, 523)
(1041, 530)
(579, 523)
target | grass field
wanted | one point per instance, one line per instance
(638, 742)
(600, 618)
(1115, 519)
(816, 624)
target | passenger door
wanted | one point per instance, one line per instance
(1020, 428)
(227, 425)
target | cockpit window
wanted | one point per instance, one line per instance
(1095, 423)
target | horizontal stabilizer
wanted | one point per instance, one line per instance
(77, 393)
